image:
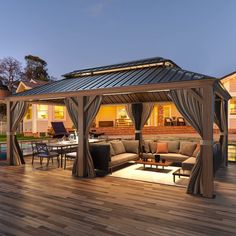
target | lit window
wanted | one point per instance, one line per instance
(167, 111)
(232, 106)
(122, 114)
(28, 115)
(59, 112)
(42, 111)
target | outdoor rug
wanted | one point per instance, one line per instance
(153, 175)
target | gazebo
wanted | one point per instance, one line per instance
(201, 100)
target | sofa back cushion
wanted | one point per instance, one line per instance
(146, 146)
(187, 148)
(173, 146)
(118, 147)
(153, 146)
(112, 152)
(162, 148)
(196, 151)
(131, 146)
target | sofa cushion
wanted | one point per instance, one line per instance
(162, 148)
(173, 146)
(146, 146)
(175, 157)
(123, 158)
(196, 151)
(153, 146)
(187, 148)
(112, 152)
(118, 147)
(189, 163)
(131, 146)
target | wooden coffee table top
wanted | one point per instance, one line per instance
(166, 163)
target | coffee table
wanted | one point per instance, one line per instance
(180, 172)
(153, 163)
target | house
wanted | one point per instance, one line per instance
(229, 82)
(38, 118)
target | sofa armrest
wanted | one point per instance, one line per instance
(101, 156)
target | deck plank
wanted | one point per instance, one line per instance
(39, 201)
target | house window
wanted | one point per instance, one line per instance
(122, 114)
(28, 115)
(59, 112)
(42, 111)
(166, 111)
(232, 106)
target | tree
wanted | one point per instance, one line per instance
(10, 71)
(35, 68)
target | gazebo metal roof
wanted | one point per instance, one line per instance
(152, 75)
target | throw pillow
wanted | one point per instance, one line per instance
(118, 147)
(162, 148)
(187, 148)
(131, 146)
(196, 151)
(153, 146)
(173, 146)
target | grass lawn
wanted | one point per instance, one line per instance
(20, 137)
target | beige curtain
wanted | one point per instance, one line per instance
(72, 108)
(220, 119)
(91, 111)
(139, 114)
(18, 111)
(191, 109)
(92, 105)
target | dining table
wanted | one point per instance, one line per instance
(67, 146)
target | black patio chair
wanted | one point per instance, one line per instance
(181, 121)
(44, 152)
(59, 130)
(168, 121)
(71, 156)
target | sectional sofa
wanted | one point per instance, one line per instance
(108, 155)
(181, 153)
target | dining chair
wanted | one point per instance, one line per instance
(44, 152)
(71, 155)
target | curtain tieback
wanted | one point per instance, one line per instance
(10, 133)
(137, 131)
(223, 133)
(206, 142)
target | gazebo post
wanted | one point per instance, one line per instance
(207, 148)
(9, 134)
(81, 128)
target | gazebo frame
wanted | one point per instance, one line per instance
(212, 91)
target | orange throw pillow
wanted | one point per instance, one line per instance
(162, 147)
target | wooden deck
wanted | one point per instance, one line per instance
(51, 202)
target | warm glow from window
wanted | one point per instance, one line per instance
(42, 111)
(122, 114)
(59, 112)
(232, 106)
(28, 115)
(167, 111)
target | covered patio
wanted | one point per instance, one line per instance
(200, 99)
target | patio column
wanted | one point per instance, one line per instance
(81, 134)
(207, 142)
(9, 134)
(226, 132)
